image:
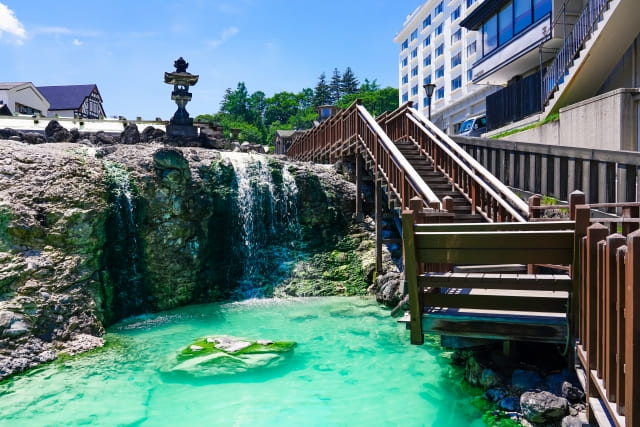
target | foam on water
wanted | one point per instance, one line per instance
(353, 366)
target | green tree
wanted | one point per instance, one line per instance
(335, 87)
(305, 98)
(256, 105)
(322, 92)
(280, 107)
(349, 83)
(368, 86)
(235, 103)
(375, 101)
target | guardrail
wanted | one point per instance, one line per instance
(574, 42)
(355, 131)
(487, 195)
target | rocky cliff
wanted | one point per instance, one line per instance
(92, 234)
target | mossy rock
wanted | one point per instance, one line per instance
(225, 355)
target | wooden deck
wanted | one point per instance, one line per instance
(458, 279)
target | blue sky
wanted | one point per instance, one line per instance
(125, 46)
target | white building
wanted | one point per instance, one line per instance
(434, 48)
(22, 98)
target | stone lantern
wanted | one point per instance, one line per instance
(181, 125)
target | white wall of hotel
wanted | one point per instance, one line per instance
(450, 109)
(30, 124)
(25, 94)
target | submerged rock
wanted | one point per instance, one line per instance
(225, 355)
(543, 407)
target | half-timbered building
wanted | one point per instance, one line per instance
(82, 101)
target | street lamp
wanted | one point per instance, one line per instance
(429, 88)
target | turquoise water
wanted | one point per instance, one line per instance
(353, 366)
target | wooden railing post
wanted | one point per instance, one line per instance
(359, 172)
(575, 198)
(632, 329)
(614, 242)
(378, 221)
(447, 204)
(577, 272)
(534, 201)
(595, 234)
(411, 276)
(621, 255)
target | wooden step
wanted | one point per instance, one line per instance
(530, 282)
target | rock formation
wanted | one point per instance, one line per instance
(90, 234)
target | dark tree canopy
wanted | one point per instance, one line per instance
(349, 84)
(335, 86)
(322, 93)
(258, 117)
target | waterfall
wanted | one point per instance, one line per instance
(122, 249)
(267, 221)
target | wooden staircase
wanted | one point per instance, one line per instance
(439, 183)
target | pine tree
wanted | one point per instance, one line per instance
(336, 86)
(322, 93)
(350, 83)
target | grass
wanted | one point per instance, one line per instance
(551, 118)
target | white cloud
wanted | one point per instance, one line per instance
(51, 30)
(77, 42)
(226, 35)
(10, 24)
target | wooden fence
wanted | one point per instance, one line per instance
(608, 344)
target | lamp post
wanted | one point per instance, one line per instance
(429, 88)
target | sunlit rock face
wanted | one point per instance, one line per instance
(89, 236)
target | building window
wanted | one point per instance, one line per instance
(414, 34)
(455, 14)
(414, 90)
(505, 23)
(471, 48)
(405, 61)
(470, 3)
(469, 75)
(522, 15)
(405, 97)
(426, 22)
(440, 93)
(438, 31)
(541, 8)
(490, 35)
(425, 102)
(456, 59)
(427, 41)
(440, 72)
(427, 61)
(414, 53)
(427, 80)
(405, 79)
(456, 83)
(439, 8)
(457, 36)
(440, 50)
(414, 71)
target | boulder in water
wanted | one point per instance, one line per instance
(224, 355)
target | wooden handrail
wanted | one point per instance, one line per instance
(414, 178)
(356, 125)
(460, 154)
(475, 176)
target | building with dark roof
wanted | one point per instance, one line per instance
(82, 101)
(22, 98)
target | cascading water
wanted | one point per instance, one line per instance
(266, 207)
(122, 249)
